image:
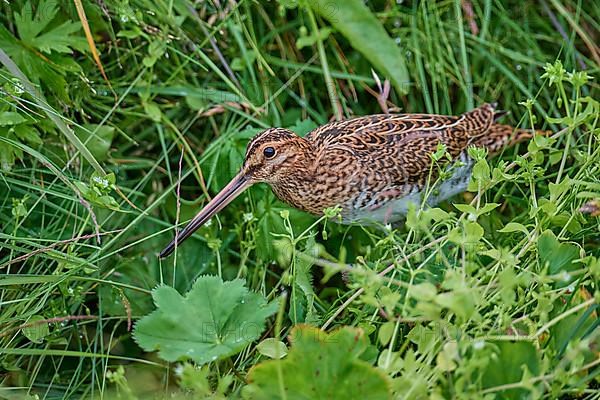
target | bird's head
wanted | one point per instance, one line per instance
(273, 156)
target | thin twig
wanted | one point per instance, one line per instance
(470, 17)
(178, 211)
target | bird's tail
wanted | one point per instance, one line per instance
(477, 121)
(499, 136)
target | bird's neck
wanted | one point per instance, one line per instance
(296, 192)
(297, 183)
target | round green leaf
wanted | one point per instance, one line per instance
(272, 348)
(36, 329)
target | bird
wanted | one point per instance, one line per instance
(373, 167)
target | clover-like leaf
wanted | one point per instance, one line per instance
(214, 320)
(319, 366)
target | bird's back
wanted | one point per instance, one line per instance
(369, 162)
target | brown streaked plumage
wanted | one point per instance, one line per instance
(372, 166)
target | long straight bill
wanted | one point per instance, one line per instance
(233, 189)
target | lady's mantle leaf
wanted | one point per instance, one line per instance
(40, 30)
(320, 366)
(58, 38)
(214, 320)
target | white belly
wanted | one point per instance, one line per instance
(397, 209)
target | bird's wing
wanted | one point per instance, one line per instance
(376, 127)
(401, 144)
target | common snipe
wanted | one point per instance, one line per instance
(371, 166)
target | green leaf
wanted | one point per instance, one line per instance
(156, 50)
(272, 348)
(132, 33)
(506, 365)
(97, 138)
(36, 330)
(107, 201)
(59, 38)
(514, 227)
(466, 208)
(47, 70)
(508, 281)
(445, 358)
(19, 207)
(471, 233)
(214, 320)
(557, 189)
(486, 208)
(558, 256)
(385, 332)
(153, 111)
(11, 118)
(364, 32)
(28, 133)
(436, 214)
(480, 176)
(390, 362)
(469, 209)
(30, 25)
(565, 220)
(423, 337)
(461, 302)
(319, 366)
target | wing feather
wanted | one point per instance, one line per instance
(392, 153)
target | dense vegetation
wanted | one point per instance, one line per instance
(119, 117)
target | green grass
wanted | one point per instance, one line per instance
(453, 307)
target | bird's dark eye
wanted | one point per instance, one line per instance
(269, 152)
